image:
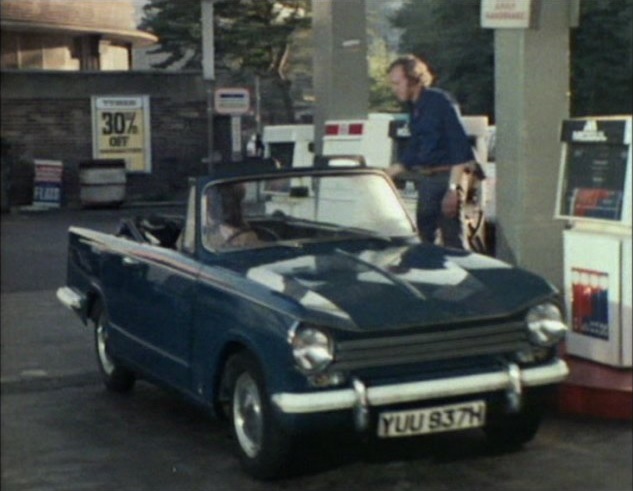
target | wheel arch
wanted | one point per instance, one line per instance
(231, 348)
(257, 344)
(94, 299)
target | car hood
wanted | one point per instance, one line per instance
(397, 287)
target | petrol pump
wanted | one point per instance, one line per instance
(594, 196)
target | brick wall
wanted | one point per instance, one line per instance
(47, 115)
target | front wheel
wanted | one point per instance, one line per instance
(511, 431)
(115, 377)
(263, 446)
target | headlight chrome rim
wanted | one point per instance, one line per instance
(545, 324)
(312, 347)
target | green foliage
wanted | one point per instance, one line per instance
(459, 52)
(381, 43)
(178, 27)
(602, 58)
(251, 34)
(257, 33)
(381, 97)
(250, 37)
(448, 36)
(257, 37)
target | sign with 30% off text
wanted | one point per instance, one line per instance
(121, 130)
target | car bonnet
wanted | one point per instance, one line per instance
(396, 287)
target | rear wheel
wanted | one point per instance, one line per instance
(263, 446)
(115, 377)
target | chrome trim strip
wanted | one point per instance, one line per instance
(333, 400)
(315, 402)
(547, 374)
(150, 347)
(71, 298)
(148, 253)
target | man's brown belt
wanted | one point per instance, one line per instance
(431, 171)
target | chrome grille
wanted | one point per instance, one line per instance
(436, 345)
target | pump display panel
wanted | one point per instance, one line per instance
(595, 170)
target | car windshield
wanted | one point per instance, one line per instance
(295, 210)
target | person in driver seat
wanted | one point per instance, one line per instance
(226, 227)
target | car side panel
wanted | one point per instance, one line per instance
(158, 338)
(228, 314)
(149, 293)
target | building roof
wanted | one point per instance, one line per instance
(113, 19)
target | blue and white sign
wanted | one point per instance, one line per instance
(234, 101)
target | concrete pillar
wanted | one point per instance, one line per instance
(532, 85)
(341, 80)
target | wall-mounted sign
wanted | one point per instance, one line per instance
(47, 184)
(121, 130)
(234, 101)
(508, 14)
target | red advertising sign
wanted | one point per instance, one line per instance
(590, 303)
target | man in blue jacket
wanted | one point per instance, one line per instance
(437, 152)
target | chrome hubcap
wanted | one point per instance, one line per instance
(104, 358)
(247, 415)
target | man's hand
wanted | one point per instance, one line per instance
(394, 170)
(450, 203)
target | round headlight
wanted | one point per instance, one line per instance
(312, 349)
(545, 324)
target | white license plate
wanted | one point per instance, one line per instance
(432, 420)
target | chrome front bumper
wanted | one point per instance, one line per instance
(360, 397)
(71, 298)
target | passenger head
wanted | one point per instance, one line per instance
(231, 197)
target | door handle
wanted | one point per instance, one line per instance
(129, 261)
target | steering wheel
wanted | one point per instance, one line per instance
(269, 234)
(279, 215)
(258, 230)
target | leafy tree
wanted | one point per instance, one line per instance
(270, 38)
(602, 58)
(448, 35)
(179, 29)
(250, 35)
(382, 41)
(459, 52)
(381, 97)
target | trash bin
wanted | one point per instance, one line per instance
(102, 182)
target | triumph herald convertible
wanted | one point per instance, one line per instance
(301, 300)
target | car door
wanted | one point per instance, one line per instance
(166, 310)
(150, 293)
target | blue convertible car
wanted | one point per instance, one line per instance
(299, 300)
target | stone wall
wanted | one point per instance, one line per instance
(47, 115)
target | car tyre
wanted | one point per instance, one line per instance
(263, 447)
(512, 431)
(115, 377)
